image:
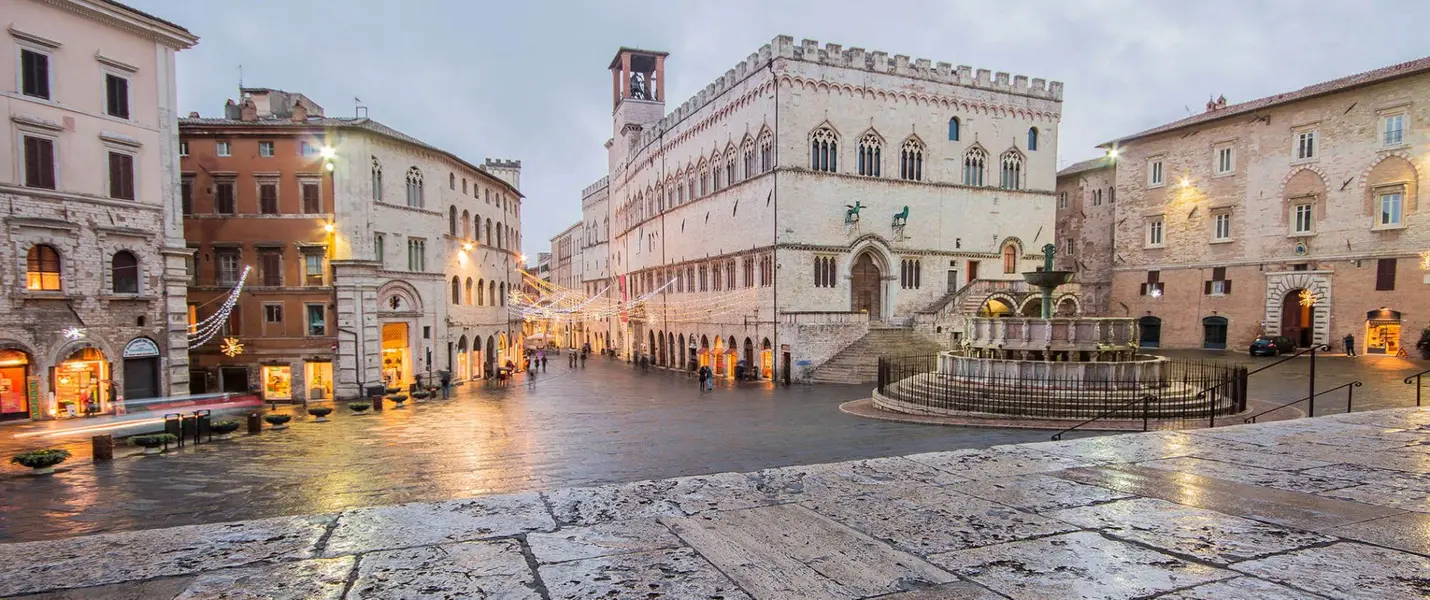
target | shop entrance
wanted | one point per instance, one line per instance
(396, 355)
(318, 377)
(1150, 329)
(81, 385)
(141, 369)
(1214, 333)
(233, 380)
(1382, 332)
(14, 379)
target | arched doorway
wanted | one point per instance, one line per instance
(671, 349)
(461, 359)
(684, 359)
(660, 354)
(1150, 332)
(749, 356)
(865, 286)
(491, 354)
(995, 307)
(81, 384)
(1298, 319)
(15, 402)
(731, 357)
(1067, 307)
(1214, 333)
(718, 357)
(704, 356)
(1382, 332)
(767, 359)
(1032, 307)
(141, 369)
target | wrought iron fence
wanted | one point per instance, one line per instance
(1183, 391)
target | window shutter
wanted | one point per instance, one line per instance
(1226, 285)
(1385, 274)
(1207, 288)
(1142, 291)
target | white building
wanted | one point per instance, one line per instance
(92, 268)
(428, 248)
(809, 192)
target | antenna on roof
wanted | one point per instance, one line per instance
(359, 110)
(240, 78)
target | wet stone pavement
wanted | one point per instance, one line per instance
(607, 423)
(1330, 507)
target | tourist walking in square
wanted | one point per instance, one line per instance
(1350, 342)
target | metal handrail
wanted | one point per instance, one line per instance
(1350, 391)
(1416, 377)
(1146, 400)
(1313, 348)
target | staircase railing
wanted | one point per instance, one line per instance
(1350, 392)
(1146, 410)
(1415, 379)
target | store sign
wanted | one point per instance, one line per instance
(141, 348)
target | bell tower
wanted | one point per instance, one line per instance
(637, 96)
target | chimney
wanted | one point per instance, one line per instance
(300, 113)
(1221, 101)
(248, 110)
(1211, 104)
(194, 115)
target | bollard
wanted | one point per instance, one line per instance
(377, 403)
(255, 424)
(173, 425)
(103, 447)
(202, 423)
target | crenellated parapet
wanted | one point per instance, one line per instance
(874, 61)
(600, 183)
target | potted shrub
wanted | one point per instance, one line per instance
(153, 443)
(393, 390)
(278, 421)
(224, 429)
(42, 461)
(397, 399)
(359, 407)
(321, 412)
(420, 396)
(1424, 344)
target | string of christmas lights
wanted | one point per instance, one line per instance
(558, 304)
(203, 331)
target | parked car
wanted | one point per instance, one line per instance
(1272, 346)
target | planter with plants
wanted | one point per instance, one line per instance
(397, 399)
(153, 443)
(278, 421)
(224, 429)
(321, 412)
(393, 390)
(41, 461)
(359, 407)
(1423, 345)
(420, 396)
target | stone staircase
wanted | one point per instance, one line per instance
(859, 362)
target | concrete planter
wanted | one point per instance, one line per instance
(153, 449)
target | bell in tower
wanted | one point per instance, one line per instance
(638, 75)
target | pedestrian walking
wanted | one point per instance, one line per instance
(543, 362)
(531, 379)
(1350, 342)
(583, 359)
(700, 376)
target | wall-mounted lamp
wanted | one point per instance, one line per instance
(329, 228)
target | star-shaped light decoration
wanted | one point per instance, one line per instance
(73, 333)
(231, 347)
(1308, 298)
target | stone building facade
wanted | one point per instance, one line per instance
(92, 302)
(809, 189)
(1300, 214)
(400, 267)
(1085, 195)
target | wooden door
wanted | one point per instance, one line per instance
(865, 283)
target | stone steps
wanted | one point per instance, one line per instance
(926, 392)
(859, 362)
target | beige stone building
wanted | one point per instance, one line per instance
(1298, 214)
(810, 197)
(92, 268)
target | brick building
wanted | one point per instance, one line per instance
(809, 192)
(367, 269)
(1298, 214)
(92, 301)
(1085, 196)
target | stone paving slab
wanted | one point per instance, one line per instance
(1348, 570)
(1051, 520)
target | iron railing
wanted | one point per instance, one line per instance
(1181, 390)
(1350, 393)
(1146, 402)
(1415, 379)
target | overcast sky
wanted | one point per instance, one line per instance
(527, 79)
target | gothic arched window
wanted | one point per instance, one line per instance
(870, 155)
(414, 187)
(1011, 175)
(911, 160)
(1032, 139)
(953, 124)
(974, 162)
(767, 152)
(824, 150)
(376, 179)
